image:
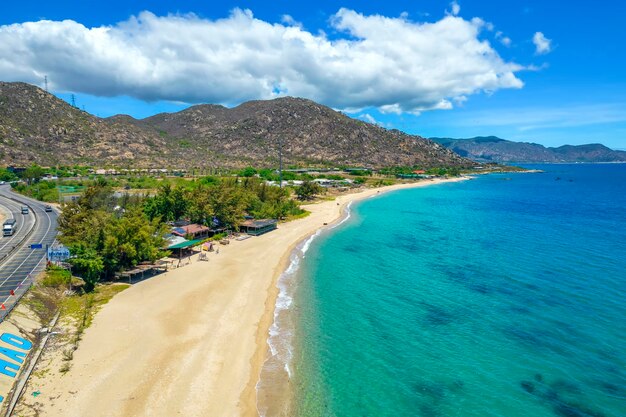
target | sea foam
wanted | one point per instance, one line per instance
(281, 331)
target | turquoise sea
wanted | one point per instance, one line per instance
(500, 296)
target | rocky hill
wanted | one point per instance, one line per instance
(494, 149)
(308, 132)
(38, 127)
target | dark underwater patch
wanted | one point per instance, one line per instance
(563, 386)
(536, 338)
(481, 288)
(432, 390)
(564, 409)
(437, 316)
(428, 410)
(613, 390)
(552, 396)
(527, 386)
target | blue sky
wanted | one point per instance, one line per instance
(571, 91)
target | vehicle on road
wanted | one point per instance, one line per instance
(48, 208)
(24, 210)
(8, 227)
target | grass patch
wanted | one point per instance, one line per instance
(290, 217)
(65, 368)
(56, 277)
(43, 301)
(83, 307)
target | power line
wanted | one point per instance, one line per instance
(73, 100)
(45, 80)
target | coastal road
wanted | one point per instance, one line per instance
(19, 264)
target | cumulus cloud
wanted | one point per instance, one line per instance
(289, 20)
(543, 45)
(455, 8)
(390, 63)
(504, 40)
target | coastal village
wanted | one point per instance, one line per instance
(187, 244)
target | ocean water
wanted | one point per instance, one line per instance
(500, 296)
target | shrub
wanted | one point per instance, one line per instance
(56, 277)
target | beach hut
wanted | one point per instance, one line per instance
(195, 230)
(258, 227)
(180, 247)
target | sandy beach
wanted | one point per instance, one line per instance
(190, 342)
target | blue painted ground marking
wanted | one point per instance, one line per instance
(9, 368)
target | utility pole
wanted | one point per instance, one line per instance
(73, 100)
(45, 80)
(280, 161)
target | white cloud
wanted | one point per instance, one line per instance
(455, 8)
(543, 45)
(504, 40)
(290, 21)
(189, 59)
(369, 119)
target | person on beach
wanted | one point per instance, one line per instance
(217, 251)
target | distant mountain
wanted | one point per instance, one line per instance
(494, 149)
(38, 127)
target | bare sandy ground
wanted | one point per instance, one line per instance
(190, 342)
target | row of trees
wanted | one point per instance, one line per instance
(31, 174)
(224, 200)
(106, 234)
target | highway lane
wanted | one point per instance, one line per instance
(24, 224)
(19, 268)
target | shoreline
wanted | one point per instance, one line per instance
(250, 394)
(192, 341)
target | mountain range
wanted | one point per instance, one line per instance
(494, 149)
(36, 126)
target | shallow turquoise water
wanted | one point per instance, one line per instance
(501, 296)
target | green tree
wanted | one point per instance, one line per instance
(169, 204)
(116, 238)
(308, 190)
(248, 172)
(131, 239)
(32, 174)
(87, 264)
(79, 223)
(7, 176)
(228, 203)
